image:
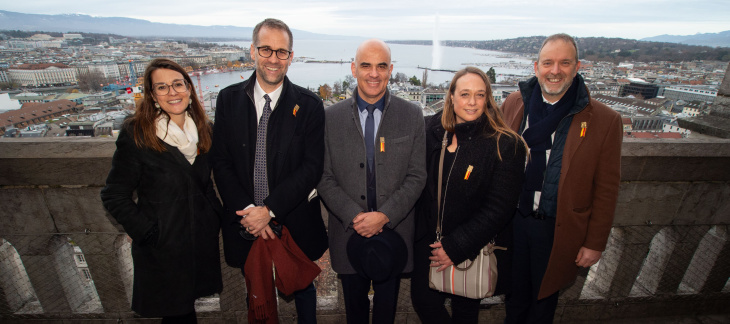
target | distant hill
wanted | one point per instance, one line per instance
(721, 39)
(601, 49)
(130, 27)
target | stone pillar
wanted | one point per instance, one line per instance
(655, 266)
(24, 215)
(718, 277)
(79, 211)
(123, 249)
(636, 242)
(688, 238)
(598, 280)
(707, 265)
(100, 254)
(43, 274)
(80, 292)
(5, 307)
(16, 291)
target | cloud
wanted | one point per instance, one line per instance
(413, 19)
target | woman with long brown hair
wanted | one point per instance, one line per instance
(483, 168)
(162, 155)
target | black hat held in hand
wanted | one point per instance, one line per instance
(378, 258)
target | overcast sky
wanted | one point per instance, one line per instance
(421, 19)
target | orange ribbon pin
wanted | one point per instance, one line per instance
(468, 172)
(382, 144)
(583, 126)
(296, 108)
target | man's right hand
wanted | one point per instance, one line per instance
(369, 224)
(256, 221)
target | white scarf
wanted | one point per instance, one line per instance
(186, 139)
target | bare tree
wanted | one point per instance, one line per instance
(337, 88)
(8, 85)
(92, 81)
(349, 81)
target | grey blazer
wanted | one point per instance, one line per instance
(400, 172)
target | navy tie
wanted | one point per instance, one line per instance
(260, 181)
(370, 149)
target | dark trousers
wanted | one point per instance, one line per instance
(533, 241)
(355, 290)
(306, 302)
(429, 303)
(189, 318)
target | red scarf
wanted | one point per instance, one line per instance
(294, 271)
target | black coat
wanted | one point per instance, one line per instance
(481, 207)
(295, 157)
(174, 225)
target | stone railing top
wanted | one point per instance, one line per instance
(55, 148)
(684, 147)
(86, 161)
(35, 148)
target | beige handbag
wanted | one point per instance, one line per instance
(472, 279)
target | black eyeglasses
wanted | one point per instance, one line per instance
(162, 89)
(266, 52)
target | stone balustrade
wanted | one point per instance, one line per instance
(61, 258)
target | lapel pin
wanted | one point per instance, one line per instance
(296, 108)
(583, 126)
(468, 172)
(382, 144)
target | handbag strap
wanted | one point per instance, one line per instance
(489, 248)
(440, 179)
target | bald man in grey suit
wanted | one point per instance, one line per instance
(366, 190)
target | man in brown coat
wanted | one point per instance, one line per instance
(571, 180)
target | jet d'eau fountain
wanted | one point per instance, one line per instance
(436, 53)
(436, 48)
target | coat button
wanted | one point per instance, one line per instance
(362, 165)
(362, 197)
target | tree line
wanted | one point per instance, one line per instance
(600, 49)
(339, 87)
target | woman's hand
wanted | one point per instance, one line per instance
(439, 258)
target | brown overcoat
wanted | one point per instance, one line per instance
(588, 188)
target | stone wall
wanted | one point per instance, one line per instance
(667, 254)
(717, 122)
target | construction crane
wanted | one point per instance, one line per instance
(200, 89)
(138, 84)
(132, 74)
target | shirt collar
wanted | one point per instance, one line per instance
(362, 105)
(259, 93)
(548, 102)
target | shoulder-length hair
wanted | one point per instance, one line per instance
(145, 135)
(495, 125)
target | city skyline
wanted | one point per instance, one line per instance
(424, 19)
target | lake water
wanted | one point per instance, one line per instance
(406, 59)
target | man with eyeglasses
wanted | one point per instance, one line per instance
(267, 157)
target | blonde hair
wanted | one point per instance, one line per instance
(495, 125)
